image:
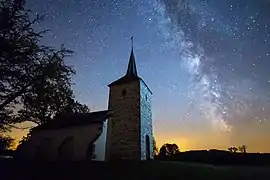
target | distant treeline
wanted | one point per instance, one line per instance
(213, 156)
(218, 157)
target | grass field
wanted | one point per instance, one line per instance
(130, 170)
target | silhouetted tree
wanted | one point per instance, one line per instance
(75, 107)
(243, 149)
(33, 77)
(155, 147)
(22, 143)
(25, 138)
(5, 143)
(5, 119)
(168, 150)
(233, 149)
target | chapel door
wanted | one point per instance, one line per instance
(147, 144)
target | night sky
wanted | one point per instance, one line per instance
(206, 61)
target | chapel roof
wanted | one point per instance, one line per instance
(74, 119)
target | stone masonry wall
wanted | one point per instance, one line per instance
(123, 137)
(146, 120)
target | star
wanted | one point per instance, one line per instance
(205, 54)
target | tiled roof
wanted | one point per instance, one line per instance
(76, 119)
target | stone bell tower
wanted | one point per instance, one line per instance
(129, 135)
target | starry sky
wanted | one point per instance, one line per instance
(206, 61)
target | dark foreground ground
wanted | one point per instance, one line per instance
(10, 169)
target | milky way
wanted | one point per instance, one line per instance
(226, 48)
(205, 60)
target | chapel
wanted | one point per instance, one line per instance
(123, 131)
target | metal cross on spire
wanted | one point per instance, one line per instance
(131, 41)
(132, 70)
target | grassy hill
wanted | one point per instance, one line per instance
(129, 170)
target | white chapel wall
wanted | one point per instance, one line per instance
(82, 136)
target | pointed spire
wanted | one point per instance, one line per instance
(132, 70)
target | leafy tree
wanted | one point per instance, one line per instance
(233, 149)
(5, 118)
(155, 147)
(5, 143)
(32, 76)
(75, 107)
(243, 149)
(49, 95)
(19, 48)
(168, 150)
(22, 143)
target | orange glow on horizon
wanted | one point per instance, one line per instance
(192, 141)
